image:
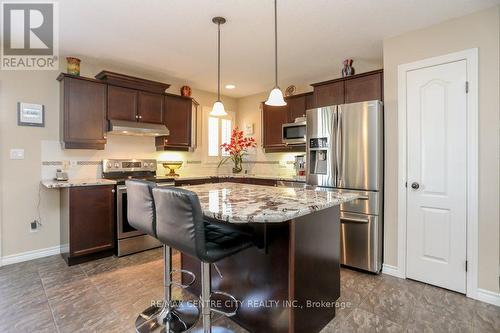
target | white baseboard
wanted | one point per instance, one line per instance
(392, 270)
(487, 296)
(29, 255)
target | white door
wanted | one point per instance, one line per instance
(437, 174)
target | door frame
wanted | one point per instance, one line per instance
(471, 58)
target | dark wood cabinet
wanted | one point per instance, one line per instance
(329, 94)
(357, 88)
(310, 101)
(150, 107)
(122, 103)
(83, 112)
(189, 182)
(134, 105)
(364, 88)
(273, 117)
(296, 107)
(180, 113)
(87, 222)
(263, 181)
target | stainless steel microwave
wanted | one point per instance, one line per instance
(294, 133)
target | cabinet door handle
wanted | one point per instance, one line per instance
(140, 117)
(136, 117)
(113, 191)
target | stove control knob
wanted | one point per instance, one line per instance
(117, 165)
(108, 165)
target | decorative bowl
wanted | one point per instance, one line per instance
(172, 166)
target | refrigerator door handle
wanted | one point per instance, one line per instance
(338, 147)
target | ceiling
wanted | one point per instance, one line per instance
(177, 38)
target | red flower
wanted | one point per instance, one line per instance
(238, 143)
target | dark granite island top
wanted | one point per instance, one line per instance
(244, 203)
(290, 280)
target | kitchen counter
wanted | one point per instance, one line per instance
(235, 203)
(52, 183)
(296, 232)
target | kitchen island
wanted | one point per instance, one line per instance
(289, 281)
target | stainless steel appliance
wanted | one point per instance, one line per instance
(294, 133)
(300, 165)
(130, 240)
(345, 151)
(123, 127)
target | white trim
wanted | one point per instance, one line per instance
(30, 255)
(471, 57)
(487, 296)
(391, 270)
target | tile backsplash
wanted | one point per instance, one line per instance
(87, 163)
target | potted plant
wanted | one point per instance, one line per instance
(237, 148)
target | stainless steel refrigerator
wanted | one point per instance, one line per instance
(345, 150)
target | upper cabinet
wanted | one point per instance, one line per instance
(83, 112)
(180, 119)
(272, 119)
(329, 94)
(357, 88)
(364, 88)
(150, 107)
(296, 107)
(122, 103)
(134, 99)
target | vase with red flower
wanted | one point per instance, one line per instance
(236, 149)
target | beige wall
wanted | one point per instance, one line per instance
(479, 30)
(19, 181)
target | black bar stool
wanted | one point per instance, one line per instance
(181, 225)
(165, 317)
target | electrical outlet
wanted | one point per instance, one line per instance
(34, 225)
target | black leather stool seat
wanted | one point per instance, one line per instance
(224, 241)
(182, 225)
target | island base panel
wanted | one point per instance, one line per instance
(282, 284)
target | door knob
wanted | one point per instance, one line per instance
(415, 185)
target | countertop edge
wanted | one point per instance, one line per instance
(55, 184)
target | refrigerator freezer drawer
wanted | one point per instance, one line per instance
(368, 202)
(361, 241)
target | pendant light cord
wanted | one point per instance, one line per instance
(218, 62)
(276, 43)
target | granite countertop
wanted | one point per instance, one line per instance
(235, 203)
(242, 175)
(52, 183)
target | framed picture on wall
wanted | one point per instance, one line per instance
(29, 114)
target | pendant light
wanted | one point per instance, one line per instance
(276, 96)
(218, 108)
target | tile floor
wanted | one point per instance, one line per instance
(45, 295)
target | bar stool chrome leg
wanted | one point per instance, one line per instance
(168, 317)
(206, 292)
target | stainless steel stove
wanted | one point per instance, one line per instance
(129, 239)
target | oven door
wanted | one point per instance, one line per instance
(294, 133)
(124, 229)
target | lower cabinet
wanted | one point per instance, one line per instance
(87, 222)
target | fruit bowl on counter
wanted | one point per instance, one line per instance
(172, 166)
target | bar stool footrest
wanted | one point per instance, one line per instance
(233, 300)
(180, 285)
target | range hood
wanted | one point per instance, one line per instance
(123, 127)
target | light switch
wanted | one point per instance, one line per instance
(17, 154)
